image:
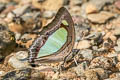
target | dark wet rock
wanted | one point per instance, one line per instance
(101, 62)
(101, 17)
(7, 42)
(96, 74)
(19, 60)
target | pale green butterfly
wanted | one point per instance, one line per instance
(56, 40)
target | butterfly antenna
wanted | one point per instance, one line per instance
(76, 51)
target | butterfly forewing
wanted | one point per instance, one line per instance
(53, 43)
(56, 40)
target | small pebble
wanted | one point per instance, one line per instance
(80, 69)
(84, 44)
(117, 48)
(87, 54)
(2, 72)
(91, 8)
(48, 14)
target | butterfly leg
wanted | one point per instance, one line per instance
(66, 59)
(69, 58)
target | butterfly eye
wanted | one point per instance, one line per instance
(64, 22)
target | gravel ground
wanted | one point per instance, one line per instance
(96, 53)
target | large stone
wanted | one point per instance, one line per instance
(101, 17)
(19, 60)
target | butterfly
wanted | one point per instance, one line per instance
(56, 40)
